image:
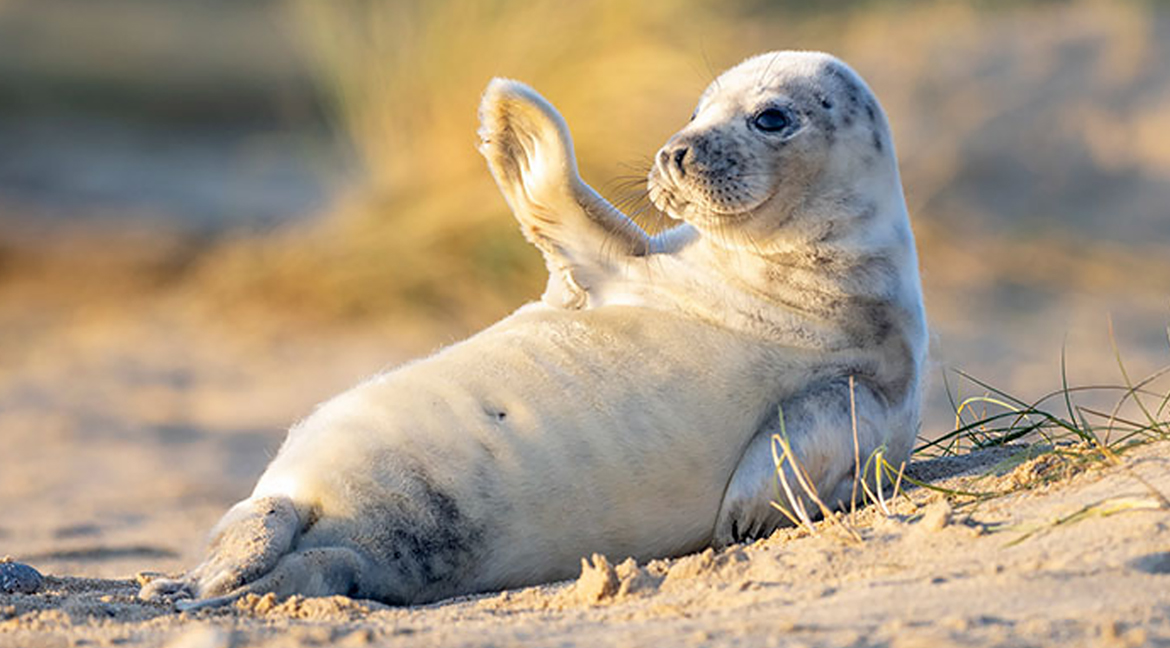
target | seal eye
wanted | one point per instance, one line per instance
(771, 120)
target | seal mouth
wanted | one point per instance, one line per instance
(664, 198)
(669, 198)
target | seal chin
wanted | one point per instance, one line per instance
(670, 199)
(666, 200)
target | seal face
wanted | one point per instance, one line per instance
(764, 140)
(634, 411)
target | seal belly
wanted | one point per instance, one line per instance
(553, 435)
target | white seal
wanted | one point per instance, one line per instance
(632, 412)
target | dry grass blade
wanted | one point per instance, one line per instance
(856, 446)
(1102, 509)
(800, 515)
(782, 454)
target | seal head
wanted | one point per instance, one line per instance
(784, 142)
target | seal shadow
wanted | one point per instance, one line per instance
(1156, 563)
(99, 553)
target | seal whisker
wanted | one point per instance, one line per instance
(767, 69)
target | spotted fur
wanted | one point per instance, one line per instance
(799, 237)
(632, 411)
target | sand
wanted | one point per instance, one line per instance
(129, 427)
(929, 573)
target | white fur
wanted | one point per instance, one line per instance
(631, 413)
(801, 194)
(621, 428)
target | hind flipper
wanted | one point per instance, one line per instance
(324, 571)
(247, 543)
(530, 153)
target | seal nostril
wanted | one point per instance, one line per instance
(677, 157)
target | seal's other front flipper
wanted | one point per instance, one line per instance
(530, 154)
(817, 425)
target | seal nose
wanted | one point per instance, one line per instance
(673, 158)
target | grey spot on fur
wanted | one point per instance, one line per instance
(829, 231)
(877, 328)
(311, 518)
(844, 82)
(810, 102)
(871, 323)
(423, 538)
(867, 213)
(898, 372)
(494, 413)
(833, 69)
(487, 450)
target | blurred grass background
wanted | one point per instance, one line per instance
(312, 164)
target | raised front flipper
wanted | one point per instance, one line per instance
(530, 154)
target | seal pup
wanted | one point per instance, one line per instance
(624, 413)
(793, 228)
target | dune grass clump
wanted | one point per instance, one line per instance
(1054, 436)
(1060, 420)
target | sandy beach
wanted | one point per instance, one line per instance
(215, 216)
(136, 433)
